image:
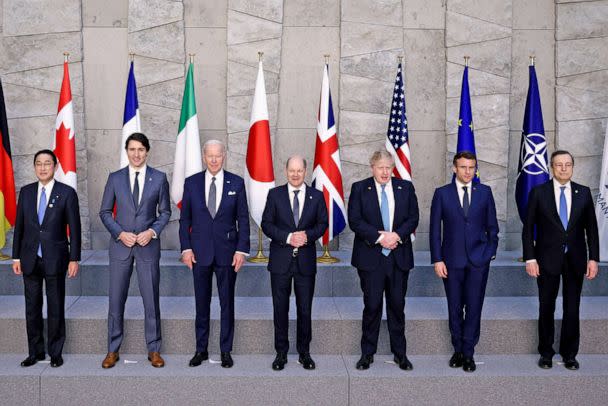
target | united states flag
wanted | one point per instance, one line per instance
(327, 172)
(397, 139)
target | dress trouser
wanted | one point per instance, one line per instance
(465, 289)
(148, 277)
(390, 281)
(55, 298)
(226, 279)
(548, 287)
(304, 287)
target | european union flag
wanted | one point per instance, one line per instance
(533, 169)
(466, 139)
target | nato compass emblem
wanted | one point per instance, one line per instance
(533, 154)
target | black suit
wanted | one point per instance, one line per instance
(62, 211)
(381, 274)
(560, 251)
(284, 264)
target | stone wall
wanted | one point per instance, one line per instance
(362, 37)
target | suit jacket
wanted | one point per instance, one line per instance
(551, 238)
(277, 223)
(456, 239)
(220, 237)
(62, 211)
(365, 219)
(153, 212)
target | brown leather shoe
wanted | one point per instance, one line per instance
(110, 360)
(156, 360)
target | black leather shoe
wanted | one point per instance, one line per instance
(545, 362)
(198, 358)
(571, 364)
(468, 364)
(279, 362)
(32, 360)
(56, 362)
(365, 361)
(306, 361)
(456, 360)
(403, 362)
(227, 361)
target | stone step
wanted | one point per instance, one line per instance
(509, 325)
(499, 380)
(507, 278)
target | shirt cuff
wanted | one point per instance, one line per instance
(154, 236)
(288, 238)
(188, 250)
(16, 260)
(243, 253)
(531, 261)
(379, 238)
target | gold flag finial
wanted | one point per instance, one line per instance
(326, 56)
(66, 55)
(466, 60)
(400, 59)
(260, 55)
(131, 56)
(532, 60)
(191, 57)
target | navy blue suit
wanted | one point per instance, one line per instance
(466, 244)
(381, 274)
(62, 211)
(214, 240)
(285, 265)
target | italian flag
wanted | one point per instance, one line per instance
(188, 160)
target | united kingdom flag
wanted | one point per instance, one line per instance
(327, 173)
(397, 139)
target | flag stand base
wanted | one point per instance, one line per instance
(326, 258)
(4, 257)
(259, 257)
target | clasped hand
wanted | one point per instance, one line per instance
(390, 239)
(130, 239)
(298, 239)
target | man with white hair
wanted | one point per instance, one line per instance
(214, 238)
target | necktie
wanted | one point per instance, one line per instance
(136, 191)
(212, 198)
(386, 218)
(465, 201)
(563, 211)
(41, 211)
(296, 207)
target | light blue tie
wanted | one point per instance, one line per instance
(41, 211)
(563, 211)
(386, 218)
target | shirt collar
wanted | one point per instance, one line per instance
(290, 188)
(142, 170)
(557, 185)
(459, 184)
(48, 187)
(219, 177)
(389, 185)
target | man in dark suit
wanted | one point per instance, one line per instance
(42, 251)
(383, 213)
(463, 238)
(295, 216)
(214, 237)
(559, 230)
(141, 196)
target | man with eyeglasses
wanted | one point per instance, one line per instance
(43, 253)
(560, 239)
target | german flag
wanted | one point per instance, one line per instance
(8, 204)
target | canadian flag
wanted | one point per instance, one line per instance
(259, 173)
(65, 137)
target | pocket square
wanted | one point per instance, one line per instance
(231, 192)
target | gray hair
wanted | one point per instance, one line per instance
(381, 154)
(295, 157)
(214, 142)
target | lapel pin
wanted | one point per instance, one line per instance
(51, 205)
(576, 191)
(227, 181)
(310, 197)
(149, 179)
(398, 187)
(369, 188)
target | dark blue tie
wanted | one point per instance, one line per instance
(41, 211)
(136, 191)
(386, 218)
(465, 201)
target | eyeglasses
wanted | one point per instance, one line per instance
(563, 166)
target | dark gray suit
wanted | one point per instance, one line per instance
(153, 213)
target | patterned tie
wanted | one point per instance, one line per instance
(136, 191)
(41, 211)
(386, 218)
(563, 211)
(296, 207)
(465, 201)
(211, 204)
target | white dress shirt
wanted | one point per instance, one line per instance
(459, 188)
(301, 200)
(388, 189)
(557, 191)
(219, 187)
(48, 189)
(141, 179)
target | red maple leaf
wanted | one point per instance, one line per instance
(65, 149)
